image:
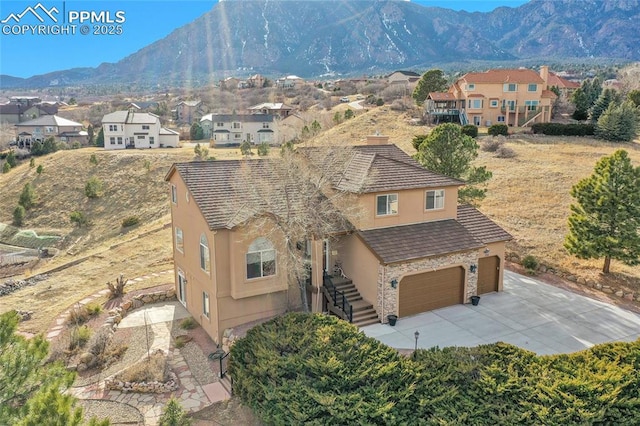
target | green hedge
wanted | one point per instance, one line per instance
(470, 130)
(498, 129)
(318, 370)
(559, 129)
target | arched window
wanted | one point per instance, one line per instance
(204, 253)
(261, 259)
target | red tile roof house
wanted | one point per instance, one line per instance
(413, 248)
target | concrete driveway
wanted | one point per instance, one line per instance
(528, 313)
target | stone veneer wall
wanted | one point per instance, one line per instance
(387, 273)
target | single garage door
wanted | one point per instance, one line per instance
(431, 290)
(488, 272)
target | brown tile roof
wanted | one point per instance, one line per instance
(416, 241)
(503, 76)
(483, 228)
(376, 168)
(214, 187)
(561, 82)
(441, 96)
(548, 94)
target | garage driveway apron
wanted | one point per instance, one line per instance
(529, 313)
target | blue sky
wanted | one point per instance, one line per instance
(25, 54)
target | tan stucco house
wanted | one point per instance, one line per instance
(413, 248)
(515, 97)
(41, 128)
(233, 129)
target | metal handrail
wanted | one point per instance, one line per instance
(223, 364)
(334, 293)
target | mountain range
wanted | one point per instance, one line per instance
(314, 38)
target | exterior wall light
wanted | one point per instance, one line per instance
(394, 283)
(473, 268)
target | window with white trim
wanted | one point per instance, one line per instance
(119, 140)
(145, 127)
(471, 86)
(531, 105)
(112, 140)
(205, 260)
(509, 87)
(265, 125)
(261, 259)
(179, 240)
(493, 103)
(182, 288)
(386, 204)
(532, 87)
(113, 127)
(435, 199)
(152, 140)
(174, 194)
(205, 304)
(501, 119)
(475, 103)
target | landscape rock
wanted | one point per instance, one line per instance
(619, 293)
(607, 289)
(87, 358)
(11, 285)
(572, 278)
(581, 280)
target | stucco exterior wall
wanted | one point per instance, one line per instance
(411, 208)
(360, 265)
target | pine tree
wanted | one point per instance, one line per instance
(606, 216)
(606, 98)
(446, 150)
(32, 391)
(27, 196)
(431, 81)
(173, 414)
(581, 101)
(619, 123)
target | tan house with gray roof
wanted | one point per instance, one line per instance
(414, 249)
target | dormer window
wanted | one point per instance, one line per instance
(471, 87)
(386, 204)
(435, 199)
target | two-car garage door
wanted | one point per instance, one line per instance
(431, 290)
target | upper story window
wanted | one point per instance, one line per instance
(113, 127)
(435, 199)
(531, 105)
(205, 261)
(219, 124)
(141, 137)
(532, 87)
(510, 87)
(261, 259)
(145, 127)
(471, 87)
(48, 129)
(386, 204)
(174, 194)
(265, 125)
(236, 125)
(179, 240)
(475, 103)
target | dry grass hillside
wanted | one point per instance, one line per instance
(528, 196)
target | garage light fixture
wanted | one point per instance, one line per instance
(486, 251)
(473, 268)
(394, 283)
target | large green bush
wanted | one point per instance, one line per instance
(470, 130)
(559, 129)
(314, 369)
(498, 129)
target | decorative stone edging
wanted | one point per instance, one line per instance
(170, 385)
(591, 283)
(11, 285)
(118, 313)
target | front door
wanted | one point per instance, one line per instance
(182, 288)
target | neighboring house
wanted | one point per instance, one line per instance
(20, 109)
(566, 87)
(256, 80)
(41, 128)
(515, 97)
(189, 111)
(130, 129)
(230, 83)
(144, 106)
(233, 129)
(407, 78)
(275, 108)
(289, 82)
(413, 250)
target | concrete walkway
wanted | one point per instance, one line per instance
(528, 313)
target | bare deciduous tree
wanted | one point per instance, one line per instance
(292, 200)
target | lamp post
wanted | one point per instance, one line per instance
(416, 335)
